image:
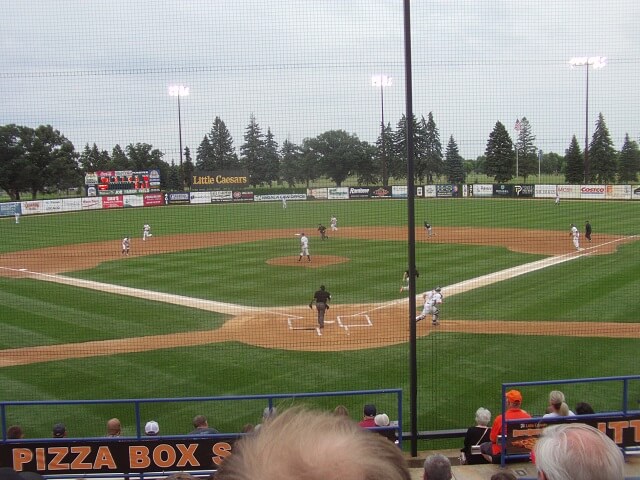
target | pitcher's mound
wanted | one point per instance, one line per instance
(316, 261)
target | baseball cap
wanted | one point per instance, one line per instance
(59, 430)
(370, 410)
(514, 396)
(152, 428)
(438, 289)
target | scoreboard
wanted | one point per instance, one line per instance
(122, 182)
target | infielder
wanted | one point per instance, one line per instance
(304, 247)
(405, 280)
(334, 223)
(427, 228)
(432, 299)
(126, 246)
(575, 236)
(146, 232)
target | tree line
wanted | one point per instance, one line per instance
(41, 160)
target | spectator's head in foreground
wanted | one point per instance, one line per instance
(313, 445)
(437, 467)
(577, 451)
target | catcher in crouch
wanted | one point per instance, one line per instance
(432, 299)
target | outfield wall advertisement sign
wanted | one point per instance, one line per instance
(359, 192)
(338, 193)
(635, 192)
(10, 209)
(75, 457)
(544, 191)
(568, 191)
(503, 190)
(115, 201)
(429, 191)
(153, 200)
(618, 192)
(318, 193)
(593, 192)
(280, 197)
(221, 196)
(199, 197)
(480, 190)
(400, 191)
(523, 190)
(173, 198)
(243, 196)
(207, 180)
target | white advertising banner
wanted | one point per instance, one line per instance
(133, 200)
(199, 197)
(568, 191)
(544, 191)
(618, 192)
(338, 193)
(593, 192)
(430, 191)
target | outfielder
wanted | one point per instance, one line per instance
(146, 232)
(432, 299)
(304, 247)
(575, 236)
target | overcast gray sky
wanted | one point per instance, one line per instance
(99, 70)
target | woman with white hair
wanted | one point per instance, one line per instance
(557, 406)
(475, 436)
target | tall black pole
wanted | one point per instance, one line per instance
(384, 153)
(180, 128)
(586, 130)
(413, 374)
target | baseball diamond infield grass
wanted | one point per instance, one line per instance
(457, 371)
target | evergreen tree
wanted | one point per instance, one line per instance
(216, 150)
(398, 165)
(119, 160)
(252, 153)
(290, 169)
(271, 158)
(527, 151)
(454, 163)
(367, 166)
(574, 163)
(431, 149)
(174, 182)
(500, 155)
(602, 155)
(187, 170)
(94, 160)
(629, 161)
(384, 157)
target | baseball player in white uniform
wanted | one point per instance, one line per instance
(575, 236)
(126, 246)
(432, 299)
(334, 223)
(146, 232)
(304, 247)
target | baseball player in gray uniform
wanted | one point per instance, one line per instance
(432, 299)
(575, 236)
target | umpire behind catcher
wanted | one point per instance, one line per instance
(321, 299)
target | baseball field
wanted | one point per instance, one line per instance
(216, 303)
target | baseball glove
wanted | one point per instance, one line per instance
(311, 306)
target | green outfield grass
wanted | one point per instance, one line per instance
(457, 372)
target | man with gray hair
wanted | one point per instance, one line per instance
(577, 450)
(437, 467)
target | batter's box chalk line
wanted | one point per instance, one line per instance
(354, 321)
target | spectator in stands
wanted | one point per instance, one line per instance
(503, 476)
(151, 429)
(341, 411)
(114, 428)
(14, 432)
(557, 406)
(59, 430)
(491, 450)
(437, 467)
(369, 416)
(201, 425)
(583, 408)
(267, 414)
(313, 445)
(382, 420)
(475, 436)
(577, 450)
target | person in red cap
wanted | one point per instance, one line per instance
(491, 450)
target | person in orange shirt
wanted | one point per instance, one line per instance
(491, 450)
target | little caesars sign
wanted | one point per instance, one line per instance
(213, 180)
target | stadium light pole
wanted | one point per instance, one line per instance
(179, 91)
(596, 63)
(382, 81)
